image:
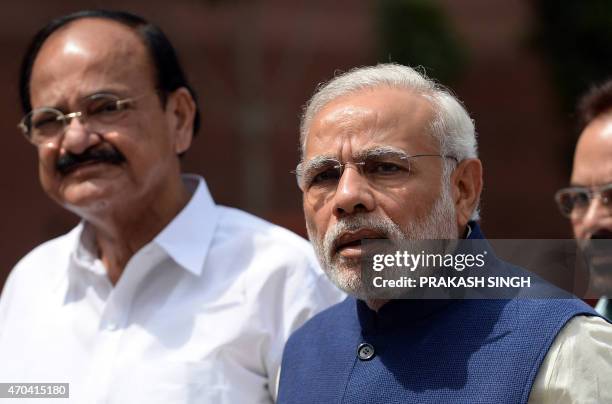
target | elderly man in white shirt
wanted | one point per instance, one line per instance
(159, 295)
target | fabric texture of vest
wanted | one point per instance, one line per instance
(423, 351)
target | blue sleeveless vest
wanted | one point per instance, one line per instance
(423, 351)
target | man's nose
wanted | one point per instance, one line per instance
(596, 213)
(77, 137)
(354, 193)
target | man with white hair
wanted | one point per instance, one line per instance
(389, 154)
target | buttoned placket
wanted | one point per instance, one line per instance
(114, 323)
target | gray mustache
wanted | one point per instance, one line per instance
(383, 226)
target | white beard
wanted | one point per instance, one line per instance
(439, 224)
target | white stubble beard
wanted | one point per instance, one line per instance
(439, 224)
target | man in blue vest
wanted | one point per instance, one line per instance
(586, 202)
(389, 154)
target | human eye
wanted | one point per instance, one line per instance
(383, 167)
(580, 198)
(44, 122)
(572, 200)
(103, 107)
(329, 174)
(106, 105)
(44, 119)
(606, 194)
(322, 176)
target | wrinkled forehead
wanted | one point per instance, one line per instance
(384, 117)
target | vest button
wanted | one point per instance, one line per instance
(365, 351)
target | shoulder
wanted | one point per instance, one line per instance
(578, 365)
(271, 259)
(588, 328)
(565, 308)
(48, 259)
(34, 276)
(262, 241)
(520, 314)
(329, 323)
(585, 337)
(237, 223)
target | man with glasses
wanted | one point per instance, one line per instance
(588, 201)
(389, 154)
(158, 295)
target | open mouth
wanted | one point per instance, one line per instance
(350, 244)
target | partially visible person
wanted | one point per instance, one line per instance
(588, 200)
(389, 154)
(159, 295)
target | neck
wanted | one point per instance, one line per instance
(376, 304)
(121, 231)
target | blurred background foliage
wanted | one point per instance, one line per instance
(575, 38)
(419, 33)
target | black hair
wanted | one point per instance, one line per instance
(169, 73)
(595, 102)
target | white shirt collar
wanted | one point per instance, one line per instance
(188, 236)
(186, 239)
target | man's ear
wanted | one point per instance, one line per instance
(180, 109)
(466, 183)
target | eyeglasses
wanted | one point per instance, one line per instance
(46, 124)
(380, 167)
(575, 201)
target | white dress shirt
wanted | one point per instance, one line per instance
(199, 315)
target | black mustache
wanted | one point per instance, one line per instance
(69, 161)
(600, 244)
(602, 234)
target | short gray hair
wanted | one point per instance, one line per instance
(451, 126)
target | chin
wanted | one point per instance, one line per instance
(346, 278)
(85, 192)
(91, 202)
(87, 211)
(349, 280)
